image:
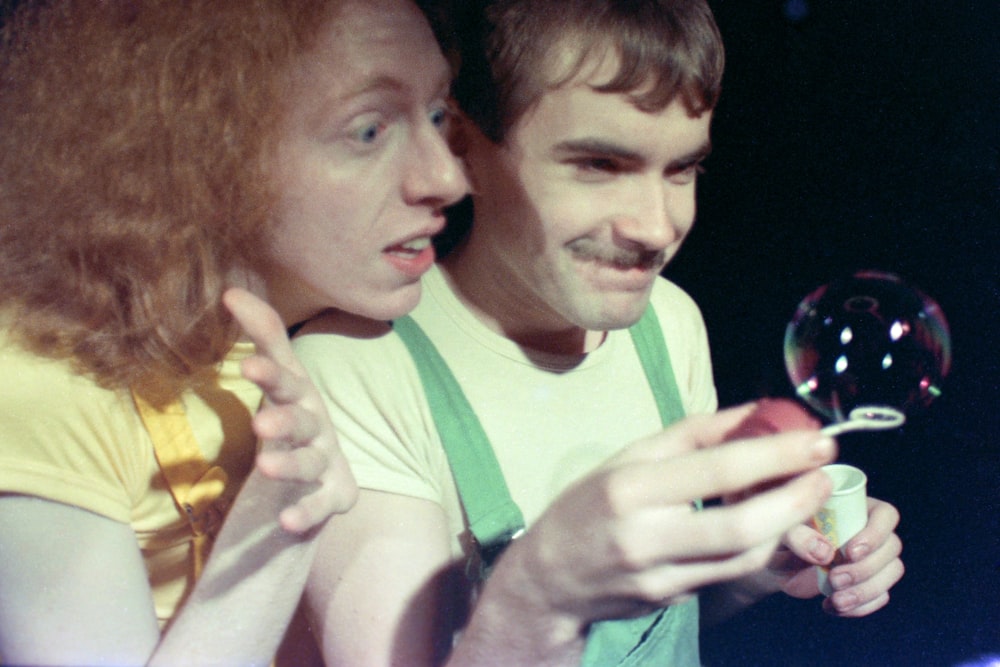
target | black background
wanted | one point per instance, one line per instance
(856, 135)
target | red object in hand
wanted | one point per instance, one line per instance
(772, 415)
(775, 415)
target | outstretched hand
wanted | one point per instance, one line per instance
(298, 440)
(625, 539)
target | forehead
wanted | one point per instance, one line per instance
(372, 42)
(577, 59)
(572, 110)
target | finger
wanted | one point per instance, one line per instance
(290, 425)
(718, 471)
(760, 518)
(665, 534)
(296, 520)
(304, 464)
(279, 384)
(882, 521)
(871, 569)
(675, 578)
(694, 432)
(809, 545)
(263, 372)
(262, 325)
(850, 610)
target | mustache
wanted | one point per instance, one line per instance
(593, 250)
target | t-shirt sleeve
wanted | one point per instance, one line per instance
(65, 439)
(377, 404)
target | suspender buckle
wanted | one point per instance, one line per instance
(489, 553)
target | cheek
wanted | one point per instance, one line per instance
(682, 206)
(565, 211)
(318, 209)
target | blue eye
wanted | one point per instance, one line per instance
(439, 117)
(369, 133)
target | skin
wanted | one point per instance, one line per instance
(364, 170)
(577, 210)
(364, 167)
(600, 196)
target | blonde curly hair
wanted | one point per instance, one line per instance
(134, 174)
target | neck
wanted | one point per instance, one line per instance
(284, 303)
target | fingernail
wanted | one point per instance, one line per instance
(858, 551)
(840, 580)
(820, 550)
(846, 602)
(823, 449)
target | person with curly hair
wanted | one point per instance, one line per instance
(182, 182)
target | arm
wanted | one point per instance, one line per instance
(252, 583)
(73, 585)
(644, 548)
(383, 587)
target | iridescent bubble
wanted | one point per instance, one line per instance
(867, 340)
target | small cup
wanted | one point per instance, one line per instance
(844, 514)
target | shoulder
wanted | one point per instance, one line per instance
(372, 389)
(66, 437)
(338, 343)
(39, 385)
(675, 306)
(686, 336)
(666, 293)
(356, 362)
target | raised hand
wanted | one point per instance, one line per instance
(299, 443)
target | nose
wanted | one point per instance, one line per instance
(662, 213)
(433, 173)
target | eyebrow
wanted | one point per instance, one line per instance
(391, 83)
(604, 148)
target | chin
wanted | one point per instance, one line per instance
(616, 315)
(387, 307)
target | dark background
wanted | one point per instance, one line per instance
(857, 135)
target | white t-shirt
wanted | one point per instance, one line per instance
(551, 419)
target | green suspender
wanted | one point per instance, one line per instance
(652, 350)
(494, 518)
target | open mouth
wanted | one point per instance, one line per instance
(410, 248)
(412, 258)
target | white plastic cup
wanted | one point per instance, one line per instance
(844, 514)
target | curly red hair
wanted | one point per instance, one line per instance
(134, 158)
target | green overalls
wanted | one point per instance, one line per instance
(667, 637)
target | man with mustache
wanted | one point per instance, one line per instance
(562, 355)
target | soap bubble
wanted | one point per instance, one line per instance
(867, 340)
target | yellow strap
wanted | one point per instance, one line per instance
(195, 485)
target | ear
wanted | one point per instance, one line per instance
(458, 134)
(461, 135)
